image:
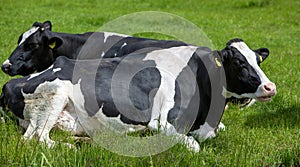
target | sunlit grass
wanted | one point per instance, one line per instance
(266, 134)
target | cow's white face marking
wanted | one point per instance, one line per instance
(108, 34)
(6, 62)
(251, 58)
(28, 33)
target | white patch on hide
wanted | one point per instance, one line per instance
(108, 34)
(28, 33)
(38, 73)
(43, 108)
(170, 62)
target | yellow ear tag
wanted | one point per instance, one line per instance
(52, 45)
(260, 58)
(218, 62)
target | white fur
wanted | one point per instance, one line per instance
(28, 33)
(56, 69)
(124, 44)
(108, 34)
(38, 73)
(102, 54)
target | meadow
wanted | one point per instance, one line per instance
(266, 134)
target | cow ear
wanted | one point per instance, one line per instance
(55, 42)
(226, 53)
(263, 53)
(47, 25)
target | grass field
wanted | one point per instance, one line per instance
(266, 134)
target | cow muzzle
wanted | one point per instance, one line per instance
(6, 66)
(267, 91)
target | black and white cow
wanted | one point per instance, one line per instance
(157, 92)
(39, 47)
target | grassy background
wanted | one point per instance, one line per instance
(266, 134)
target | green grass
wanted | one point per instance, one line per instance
(267, 134)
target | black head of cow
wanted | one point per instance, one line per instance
(243, 73)
(34, 51)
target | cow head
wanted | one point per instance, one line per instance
(34, 51)
(243, 73)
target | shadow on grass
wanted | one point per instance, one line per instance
(282, 117)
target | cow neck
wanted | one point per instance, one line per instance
(219, 69)
(215, 70)
(71, 45)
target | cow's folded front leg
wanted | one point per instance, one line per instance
(42, 109)
(31, 130)
(169, 129)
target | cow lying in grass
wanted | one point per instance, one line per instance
(160, 98)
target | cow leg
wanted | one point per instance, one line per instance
(52, 114)
(43, 113)
(41, 126)
(31, 129)
(163, 102)
(188, 141)
(170, 130)
(159, 119)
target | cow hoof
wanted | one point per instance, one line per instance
(226, 107)
(211, 135)
(221, 127)
(192, 144)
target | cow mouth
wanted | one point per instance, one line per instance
(264, 98)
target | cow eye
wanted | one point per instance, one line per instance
(25, 57)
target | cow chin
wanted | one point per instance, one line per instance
(264, 98)
(23, 71)
(258, 95)
(265, 92)
(11, 73)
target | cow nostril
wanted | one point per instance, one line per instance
(5, 67)
(267, 88)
